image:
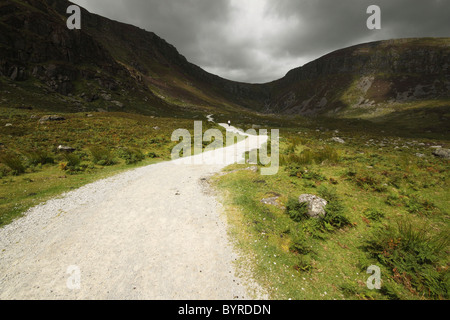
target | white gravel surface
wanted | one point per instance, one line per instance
(149, 233)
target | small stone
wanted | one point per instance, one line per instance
(338, 140)
(65, 149)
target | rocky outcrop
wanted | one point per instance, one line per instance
(36, 43)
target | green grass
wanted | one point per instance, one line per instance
(375, 181)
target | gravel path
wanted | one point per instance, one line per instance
(149, 233)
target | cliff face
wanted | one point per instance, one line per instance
(106, 56)
(35, 42)
(378, 72)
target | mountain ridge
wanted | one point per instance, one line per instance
(107, 57)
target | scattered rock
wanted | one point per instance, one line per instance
(156, 128)
(338, 140)
(118, 104)
(420, 155)
(8, 125)
(442, 153)
(106, 96)
(65, 149)
(316, 205)
(51, 118)
(270, 201)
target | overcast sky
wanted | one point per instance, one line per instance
(261, 40)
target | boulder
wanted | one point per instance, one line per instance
(315, 205)
(51, 118)
(442, 153)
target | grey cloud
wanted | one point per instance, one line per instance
(302, 30)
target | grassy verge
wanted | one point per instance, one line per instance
(386, 207)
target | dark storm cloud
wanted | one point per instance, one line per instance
(260, 40)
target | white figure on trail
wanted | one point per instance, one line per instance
(229, 123)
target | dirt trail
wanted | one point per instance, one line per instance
(149, 233)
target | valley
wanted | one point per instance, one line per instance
(365, 128)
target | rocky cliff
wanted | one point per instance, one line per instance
(368, 74)
(106, 56)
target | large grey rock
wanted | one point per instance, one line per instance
(51, 118)
(316, 205)
(66, 149)
(442, 153)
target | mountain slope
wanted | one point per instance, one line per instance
(394, 71)
(105, 56)
(114, 66)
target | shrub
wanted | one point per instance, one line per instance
(72, 163)
(14, 162)
(102, 156)
(326, 154)
(393, 200)
(417, 205)
(304, 158)
(373, 214)
(293, 170)
(367, 181)
(296, 170)
(304, 264)
(307, 157)
(297, 211)
(300, 244)
(414, 256)
(335, 217)
(39, 157)
(131, 155)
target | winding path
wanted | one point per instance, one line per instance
(149, 233)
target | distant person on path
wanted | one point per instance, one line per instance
(229, 123)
